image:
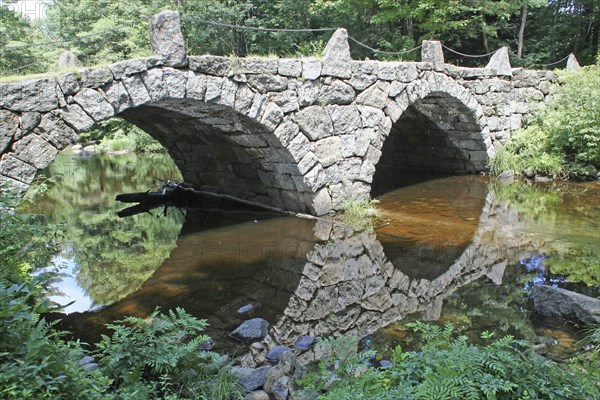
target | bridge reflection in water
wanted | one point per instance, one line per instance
(321, 277)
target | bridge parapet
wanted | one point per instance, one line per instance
(302, 134)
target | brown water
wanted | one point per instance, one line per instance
(457, 249)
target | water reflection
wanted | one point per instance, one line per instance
(306, 276)
(106, 257)
(316, 278)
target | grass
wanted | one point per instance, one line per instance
(361, 214)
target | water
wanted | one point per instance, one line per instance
(459, 249)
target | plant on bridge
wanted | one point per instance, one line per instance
(361, 214)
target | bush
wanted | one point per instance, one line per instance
(35, 361)
(565, 137)
(447, 367)
(158, 357)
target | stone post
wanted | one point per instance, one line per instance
(572, 63)
(500, 62)
(432, 52)
(66, 59)
(336, 56)
(166, 38)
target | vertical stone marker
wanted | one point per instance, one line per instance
(432, 52)
(166, 38)
(572, 63)
(336, 56)
(500, 62)
(67, 59)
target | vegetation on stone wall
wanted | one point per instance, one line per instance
(564, 139)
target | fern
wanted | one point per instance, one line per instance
(448, 367)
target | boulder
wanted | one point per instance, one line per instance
(67, 59)
(566, 305)
(336, 56)
(500, 62)
(251, 330)
(251, 378)
(281, 379)
(274, 355)
(432, 52)
(304, 342)
(507, 177)
(257, 395)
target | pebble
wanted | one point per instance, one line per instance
(304, 342)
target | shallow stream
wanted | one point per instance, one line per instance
(459, 249)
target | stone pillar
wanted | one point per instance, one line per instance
(166, 38)
(336, 56)
(432, 52)
(66, 59)
(572, 63)
(500, 62)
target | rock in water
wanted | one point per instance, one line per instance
(566, 305)
(251, 378)
(274, 354)
(166, 38)
(304, 342)
(251, 330)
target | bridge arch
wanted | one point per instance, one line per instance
(439, 127)
(300, 134)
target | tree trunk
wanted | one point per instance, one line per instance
(522, 31)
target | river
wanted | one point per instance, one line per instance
(449, 249)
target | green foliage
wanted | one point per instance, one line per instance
(448, 367)
(528, 200)
(361, 214)
(116, 134)
(35, 361)
(579, 264)
(159, 355)
(565, 137)
(572, 120)
(528, 149)
(114, 256)
(26, 244)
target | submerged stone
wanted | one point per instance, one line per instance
(275, 354)
(251, 330)
(304, 342)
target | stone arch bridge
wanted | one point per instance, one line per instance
(299, 134)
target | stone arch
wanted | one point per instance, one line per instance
(222, 133)
(437, 127)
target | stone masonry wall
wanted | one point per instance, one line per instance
(300, 134)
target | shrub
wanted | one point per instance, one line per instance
(158, 356)
(565, 137)
(35, 361)
(448, 367)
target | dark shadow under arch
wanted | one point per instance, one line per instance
(219, 149)
(436, 135)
